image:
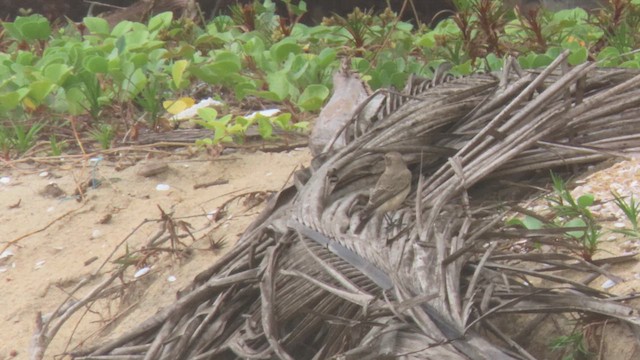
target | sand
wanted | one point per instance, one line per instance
(62, 240)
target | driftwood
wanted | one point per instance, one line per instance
(425, 281)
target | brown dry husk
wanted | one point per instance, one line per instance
(426, 282)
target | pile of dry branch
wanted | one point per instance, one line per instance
(426, 281)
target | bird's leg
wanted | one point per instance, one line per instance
(392, 224)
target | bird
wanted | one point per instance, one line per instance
(390, 190)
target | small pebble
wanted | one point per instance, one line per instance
(153, 169)
(171, 278)
(163, 187)
(5, 180)
(211, 215)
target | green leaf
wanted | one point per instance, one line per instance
(326, 57)
(204, 74)
(121, 44)
(12, 30)
(243, 121)
(283, 121)
(554, 51)
(254, 46)
(25, 58)
(360, 65)
(225, 119)
(9, 101)
(177, 73)
(299, 67)
(577, 56)
(34, 27)
(121, 28)
(631, 64)
(75, 98)
(224, 67)
(135, 83)
(267, 95)
(542, 60)
(208, 114)
(532, 223)
(279, 84)
(494, 62)
(97, 25)
(39, 90)
(609, 56)
(313, 97)
(301, 126)
(586, 200)
(57, 73)
(515, 222)
(242, 89)
(265, 129)
(281, 51)
(427, 40)
(96, 64)
(139, 60)
(160, 21)
(577, 222)
(526, 61)
(137, 39)
(220, 132)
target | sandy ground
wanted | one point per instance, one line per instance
(61, 241)
(58, 241)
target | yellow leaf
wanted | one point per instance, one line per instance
(29, 104)
(176, 106)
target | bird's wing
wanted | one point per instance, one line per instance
(389, 185)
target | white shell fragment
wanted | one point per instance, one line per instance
(39, 264)
(5, 180)
(142, 272)
(44, 174)
(608, 284)
(267, 113)
(6, 254)
(191, 112)
(95, 233)
(171, 278)
(162, 187)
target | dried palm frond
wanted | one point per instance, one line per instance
(422, 281)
